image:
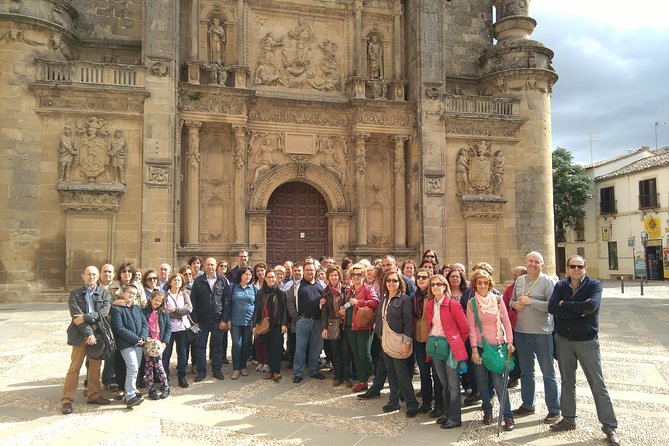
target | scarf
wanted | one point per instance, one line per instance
(488, 304)
(418, 303)
(269, 292)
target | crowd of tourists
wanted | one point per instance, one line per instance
(363, 323)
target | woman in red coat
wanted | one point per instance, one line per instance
(446, 321)
(360, 295)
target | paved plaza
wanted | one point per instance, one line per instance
(252, 411)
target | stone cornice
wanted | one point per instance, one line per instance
(102, 100)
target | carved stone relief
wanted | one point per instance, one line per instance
(298, 58)
(374, 57)
(95, 155)
(479, 171)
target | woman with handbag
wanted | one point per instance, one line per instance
(241, 297)
(333, 333)
(359, 315)
(130, 331)
(394, 325)
(489, 330)
(179, 307)
(447, 330)
(160, 331)
(430, 386)
(269, 322)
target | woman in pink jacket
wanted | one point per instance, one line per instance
(447, 329)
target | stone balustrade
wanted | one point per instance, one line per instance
(480, 105)
(78, 72)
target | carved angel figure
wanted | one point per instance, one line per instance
(330, 159)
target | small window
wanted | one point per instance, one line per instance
(581, 252)
(613, 256)
(580, 230)
(648, 196)
(607, 200)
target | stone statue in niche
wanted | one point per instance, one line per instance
(330, 159)
(484, 171)
(65, 154)
(118, 155)
(374, 57)
(264, 157)
(217, 40)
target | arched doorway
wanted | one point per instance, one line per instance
(296, 225)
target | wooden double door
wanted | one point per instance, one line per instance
(297, 224)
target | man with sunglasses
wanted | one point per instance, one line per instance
(575, 304)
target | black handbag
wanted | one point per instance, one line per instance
(105, 345)
(192, 332)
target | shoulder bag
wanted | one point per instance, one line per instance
(392, 342)
(494, 356)
(105, 345)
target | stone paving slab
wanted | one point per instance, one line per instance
(254, 411)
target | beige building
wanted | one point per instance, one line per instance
(154, 130)
(626, 228)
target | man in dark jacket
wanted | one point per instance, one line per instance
(207, 298)
(575, 304)
(87, 305)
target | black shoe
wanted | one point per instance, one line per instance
(369, 394)
(165, 393)
(425, 408)
(134, 401)
(388, 408)
(226, 361)
(318, 376)
(442, 419)
(450, 425)
(297, 379)
(472, 399)
(219, 375)
(563, 425)
(436, 412)
(411, 413)
(153, 394)
(513, 383)
(183, 383)
(199, 378)
(523, 411)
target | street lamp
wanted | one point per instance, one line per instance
(657, 124)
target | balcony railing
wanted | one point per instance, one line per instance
(90, 73)
(648, 201)
(480, 105)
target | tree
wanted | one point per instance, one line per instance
(571, 190)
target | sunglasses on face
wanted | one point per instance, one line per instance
(436, 284)
(151, 278)
(421, 277)
(576, 266)
(430, 256)
(482, 282)
(392, 281)
(356, 274)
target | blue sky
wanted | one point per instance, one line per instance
(613, 61)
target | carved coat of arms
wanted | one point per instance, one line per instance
(92, 147)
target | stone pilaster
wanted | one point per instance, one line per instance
(360, 164)
(358, 47)
(239, 192)
(400, 208)
(192, 204)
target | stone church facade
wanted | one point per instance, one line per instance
(151, 131)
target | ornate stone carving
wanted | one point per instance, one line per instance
(360, 161)
(118, 154)
(211, 102)
(193, 150)
(378, 88)
(330, 158)
(218, 73)
(326, 119)
(158, 176)
(159, 69)
(240, 146)
(215, 188)
(432, 92)
(90, 197)
(49, 99)
(478, 170)
(263, 148)
(65, 154)
(483, 128)
(396, 119)
(300, 164)
(217, 39)
(93, 149)
(482, 206)
(374, 57)
(434, 185)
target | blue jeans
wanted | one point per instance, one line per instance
(541, 346)
(483, 378)
(241, 339)
(132, 357)
(308, 345)
(178, 337)
(399, 381)
(428, 377)
(450, 381)
(569, 354)
(215, 346)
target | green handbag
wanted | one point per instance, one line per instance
(494, 356)
(437, 348)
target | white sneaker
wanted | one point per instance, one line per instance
(265, 368)
(259, 368)
(244, 372)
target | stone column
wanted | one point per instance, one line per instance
(399, 169)
(397, 40)
(239, 193)
(194, 28)
(360, 164)
(359, 69)
(192, 208)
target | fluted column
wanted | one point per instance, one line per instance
(361, 186)
(239, 194)
(192, 208)
(399, 169)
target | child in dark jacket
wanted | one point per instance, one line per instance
(160, 330)
(130, 331)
